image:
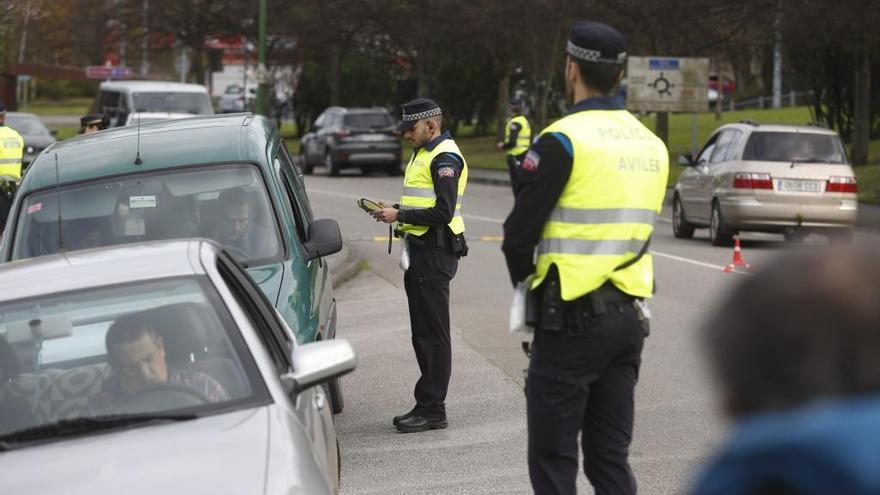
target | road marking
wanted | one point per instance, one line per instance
(691, 262)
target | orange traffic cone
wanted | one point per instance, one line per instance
(737, 258)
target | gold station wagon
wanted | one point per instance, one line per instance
(792, 180)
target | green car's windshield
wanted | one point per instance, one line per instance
(226, 203)
(146, 349)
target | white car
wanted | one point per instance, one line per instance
(238, 99)
(118, 99)
(158, 368)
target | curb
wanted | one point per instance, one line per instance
(346, 269)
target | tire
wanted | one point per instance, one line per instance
(334, 393)
(331, 165)
(681, 228)
(719, 233)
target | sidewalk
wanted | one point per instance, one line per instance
(869, 215)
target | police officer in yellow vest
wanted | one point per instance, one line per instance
(517, 137)
(591, 188)
(11, 148)
(429, 218)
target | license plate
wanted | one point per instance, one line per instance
(372, 137)
(799, 185)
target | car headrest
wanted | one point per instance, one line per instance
(183, 328)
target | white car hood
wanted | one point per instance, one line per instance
(216, 454)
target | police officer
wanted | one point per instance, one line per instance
(429, 218)
(591, 187)
(517, 136)
(92, 123)
(11, 148)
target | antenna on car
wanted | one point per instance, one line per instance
(137, 159)
(58, 202)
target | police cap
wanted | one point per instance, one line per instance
(416, 110)
(92, 119)
(596, 42)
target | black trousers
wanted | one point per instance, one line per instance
(514, 162)
(584, 382)
(427, 292)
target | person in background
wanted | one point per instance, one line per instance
(92, 123)
(795, 351)
(517, 136)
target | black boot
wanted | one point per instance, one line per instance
(398, 419)
(422, 422)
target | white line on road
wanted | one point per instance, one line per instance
(352, 196)
(687, 260)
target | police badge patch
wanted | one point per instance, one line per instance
(446, 172)
(531, 162)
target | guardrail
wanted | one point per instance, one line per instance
(790, 99)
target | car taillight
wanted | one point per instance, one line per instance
(751, 180)
(342, 132)
(842, 185)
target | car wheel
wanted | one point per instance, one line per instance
(394, 169)
(334, 392)
(331, 165)
(681, 228)
(719, 232)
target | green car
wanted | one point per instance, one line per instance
(228, 178)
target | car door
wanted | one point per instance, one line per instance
(704, 189)
(308, 408)
(690, 180)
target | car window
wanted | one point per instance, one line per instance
(194, 103)
(27, 125)
(139, 348)
(108, 102)
(367, 120)
(227, 203)
(295, 179)
(707, 150)
(722, 145)
(790, 147)
(259, 311)
(734, 146)
(321, 120)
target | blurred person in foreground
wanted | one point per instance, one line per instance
(796, 351)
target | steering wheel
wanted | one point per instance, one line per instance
(161, 397)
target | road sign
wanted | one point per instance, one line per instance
(666, 84)
(105, 72)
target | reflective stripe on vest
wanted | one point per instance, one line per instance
(608, 207)
(11, 152)
(418, 186)
(523, 139)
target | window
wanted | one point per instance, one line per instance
(226, 203)
(376, 120)
(116, 344)
(194, 103)
(722, 146)
(791, 147)
(733, 148)
(704, 155)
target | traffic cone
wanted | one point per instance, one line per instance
(737, 258)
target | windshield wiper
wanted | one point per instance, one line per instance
(84, 425)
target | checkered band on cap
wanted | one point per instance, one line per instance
(421, 115)
(593, 55)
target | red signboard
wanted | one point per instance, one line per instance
(105, 72)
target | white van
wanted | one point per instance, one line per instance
(118, 99)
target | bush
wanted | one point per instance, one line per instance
(60, 89)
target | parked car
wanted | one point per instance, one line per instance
(237, 98)
(352, 137)
(786, 179)
(158, 368)
(117, 99)
(225, 177)
(36, 136)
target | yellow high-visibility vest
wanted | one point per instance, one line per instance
(523, 139)
(418, 186)
(11, 152)
(607, 210)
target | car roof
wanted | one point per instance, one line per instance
(232, 137)
(153, 86)
(22, 114)
(749, 126)
(74, 270)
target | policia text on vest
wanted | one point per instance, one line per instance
(591, 187)
(429, 218)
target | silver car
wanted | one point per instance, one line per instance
(158, 368)
(792, 180)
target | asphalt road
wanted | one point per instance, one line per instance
(483, 451)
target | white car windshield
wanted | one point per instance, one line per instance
(194, 103)
(226, 203)
(144, 349)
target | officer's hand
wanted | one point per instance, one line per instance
(386, 215)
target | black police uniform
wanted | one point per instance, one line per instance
(514, 161)
(586, 353)
(433, 263)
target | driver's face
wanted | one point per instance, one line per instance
(140, 363)
(236, 220)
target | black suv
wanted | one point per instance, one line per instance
(352, 137)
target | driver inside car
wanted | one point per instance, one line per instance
(136, 353)
(238, 228)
